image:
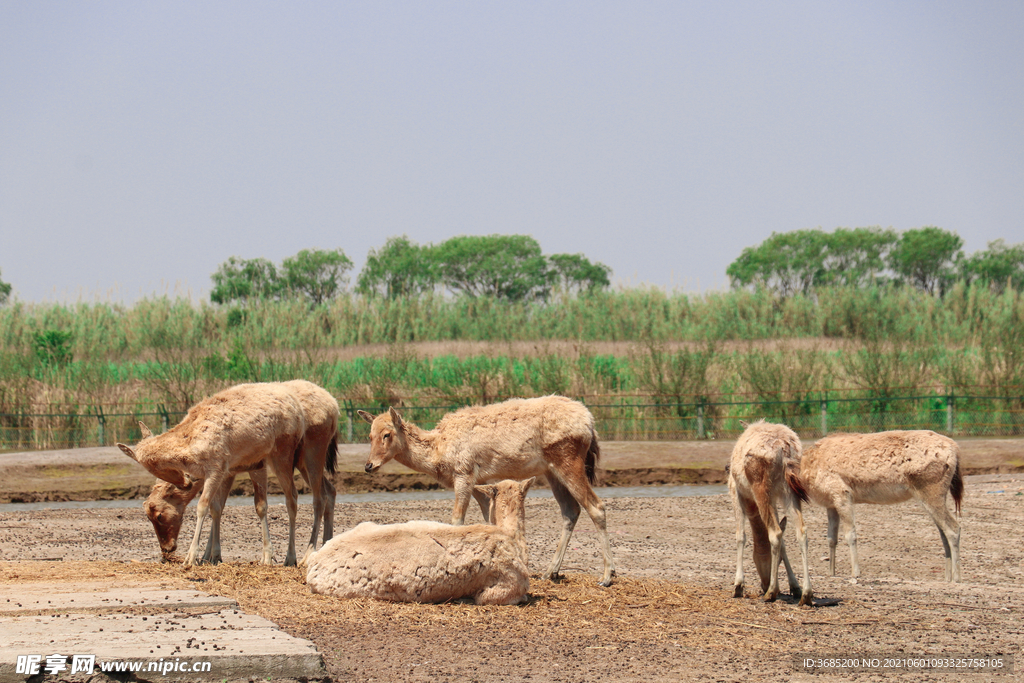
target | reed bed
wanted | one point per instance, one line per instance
(652, 364)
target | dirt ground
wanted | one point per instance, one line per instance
(668, 617)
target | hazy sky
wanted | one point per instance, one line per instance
(142, 144)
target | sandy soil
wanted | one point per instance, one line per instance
(669, 616)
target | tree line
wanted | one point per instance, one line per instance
(504, 267)
(930, 259)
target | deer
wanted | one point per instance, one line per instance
(232, 431)
(427, 562)
(883, 468)
(552, 436)
(764, 473)
(166, 504)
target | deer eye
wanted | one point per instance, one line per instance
(386, 437)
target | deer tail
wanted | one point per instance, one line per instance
(332, 454)
(796, 485)
(956, 486)
(593, 456)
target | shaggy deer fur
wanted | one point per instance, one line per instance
(884, 468)
(430, 561)
(764, 472)
(230, 432)
(166, 504)
(551, 436)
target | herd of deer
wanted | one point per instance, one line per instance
(293, 425)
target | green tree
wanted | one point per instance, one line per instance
(241, 279)
(999, 267)
(576, 272)
(787, 263)
(926, 257)
(316, 274)
(399, 268)
(5, 292)
(855, 257)
(509, 267)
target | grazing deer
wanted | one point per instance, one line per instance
(884, 468)
(519, 438)
(166, 504)
(432, 562)
(764, 472)
(232, 431)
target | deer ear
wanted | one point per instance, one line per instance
(396, 419)
(128, 451)
(365, 415)
(525, 485)
(145, 430)
(489, 490)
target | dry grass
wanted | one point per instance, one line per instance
(633, 610)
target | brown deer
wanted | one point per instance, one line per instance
(551, 436)
(764, 471)
(166, 504)
(430, 561)
(232, 431)
(841, 470)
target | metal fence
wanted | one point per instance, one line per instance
(619, 418)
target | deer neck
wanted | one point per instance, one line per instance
(511, 521)
(418, 454)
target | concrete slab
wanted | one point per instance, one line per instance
(38, 599)
(153, 632)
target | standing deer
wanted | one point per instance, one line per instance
(764, 471)
(519, 438)
(232, 431)
(166, 504)
(884, 468)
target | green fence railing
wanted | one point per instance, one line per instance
(618, 418)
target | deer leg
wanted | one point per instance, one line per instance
(463, 492)
(805, 593)
(845, 511)
(571, 473)
(794, 587)
(769, 517)
(949, 532)
(283, 472)
(259, 499)
(314, 477)
(212, 554)
(833, 539)
(741, 539)
(570, 513)
(330, 494)
(202, 510)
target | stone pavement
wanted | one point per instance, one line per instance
(143, 632)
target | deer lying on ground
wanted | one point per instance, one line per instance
(551, 436)
(166, 504)
(764, 472)
(232, 431)
(884, 468)
(430, 561)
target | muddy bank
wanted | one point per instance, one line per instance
(106, 474)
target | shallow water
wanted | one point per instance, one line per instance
(677, 491)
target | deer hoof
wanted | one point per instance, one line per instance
(737, 591)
